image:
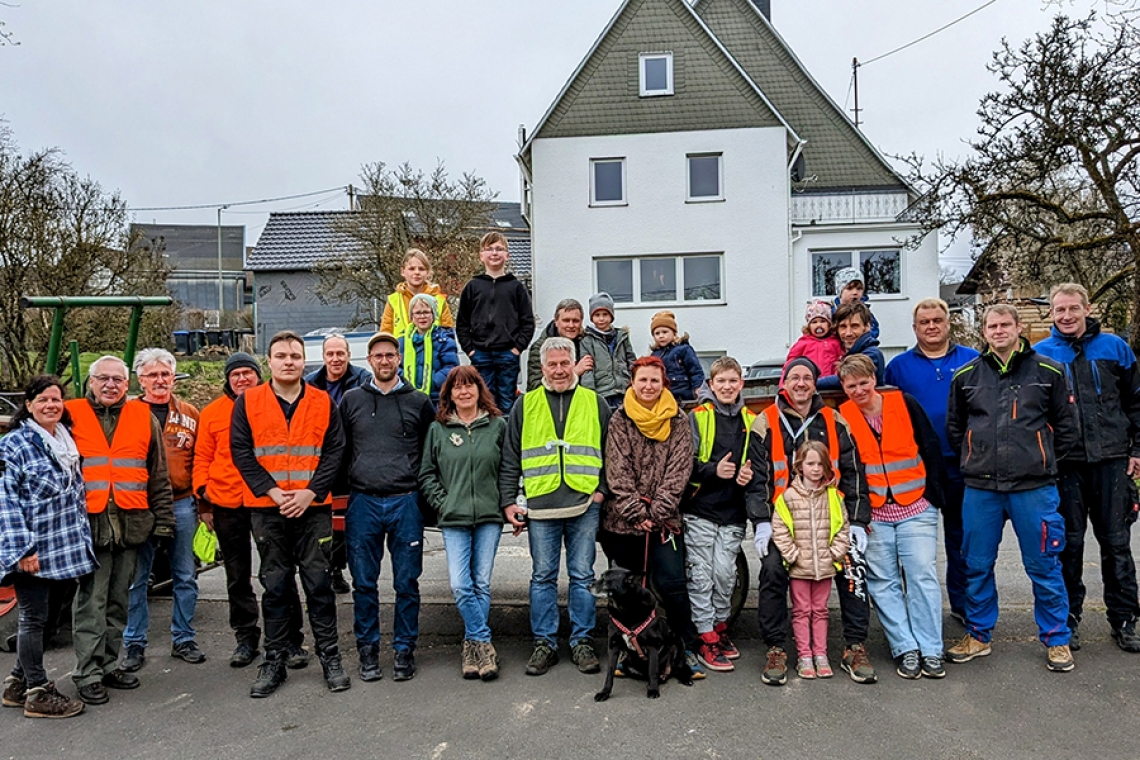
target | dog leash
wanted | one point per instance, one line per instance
(630, 635)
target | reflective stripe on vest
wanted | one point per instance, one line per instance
(780, 465)
(401, 322)
(895, 471)
(289, 451)
(424, 385)
(116, 470)
(834, 511)
(576, 459)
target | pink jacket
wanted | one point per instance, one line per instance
(825, 352)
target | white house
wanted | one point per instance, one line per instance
(691, 163)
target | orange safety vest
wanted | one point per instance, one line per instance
(214, 469)
(119, 467)
(894, 468)
(289, 451)
(780, 466)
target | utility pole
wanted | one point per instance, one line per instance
(855, 77)
(221, 283)
(351, 198)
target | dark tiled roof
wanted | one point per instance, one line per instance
(508, 216)
(296, 240)
(520, 257)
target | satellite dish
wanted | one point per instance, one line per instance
(799, 169)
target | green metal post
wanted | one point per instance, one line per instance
(76, 380)
(133, 335)
(56, 339)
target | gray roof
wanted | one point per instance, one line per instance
(295, 240)
(508, 218)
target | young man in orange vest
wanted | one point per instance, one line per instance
(128, 499)
(798, 415)
(286, 440)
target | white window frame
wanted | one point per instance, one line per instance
(855, 263)
(679, 262)
(689, 197)
(624, 201)
(641, 59)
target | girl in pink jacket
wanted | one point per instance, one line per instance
(819, 342)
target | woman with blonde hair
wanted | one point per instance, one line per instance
(416, 271)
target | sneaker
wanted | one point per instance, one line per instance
(188, 651)
(404, 666)
(909, 665)
(45, 702)
(15, 691)
(695, 665)
(541, 659)
(1124, 636)
(858, 664)
(775, 672)
(805, 668)
(967, 649)
(94, 694)
(823, 667)
(333, 668)
(1074, 634)
(270, 675)
(727, 648)
(488, 660)
(338, 582)
(470, 660)
(296, 657)
(370, 662)
(134, 658)
(584, 656)
(117, 679)
(932, 667)
(708, 652)
(244, 654)
(1059, 659)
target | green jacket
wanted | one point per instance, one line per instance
(610, 375)
(459, 471)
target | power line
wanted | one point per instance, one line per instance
(326, 191)
(318, 202)
(943, 28)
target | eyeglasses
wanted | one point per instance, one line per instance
(109, 379)
(495, 249)
(158, 375)
(384, 357)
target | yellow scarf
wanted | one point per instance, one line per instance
(654, 423)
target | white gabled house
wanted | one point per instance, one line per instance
(692, 163)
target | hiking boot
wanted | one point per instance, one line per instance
(932, 667)
(541, 659)
(188, 651)
(296, 657)
(967, 649)
(94, 694)
(470, 667)
(1059, 659)
(584, 656)
(369, 662)
(244, 654)
(45, 702)
(775, 672)
(332, 666)
(694, 664)
(708, 652)
(270, 675)
(858, 664)
(1075, 634)
(727, 648)
(404, 666)
(117, 679)
(805, 668)
(338, 582)
(1124, 636)
(15, 691)
(488, 660)
(134, 658)
(909, 665)
(823, 667)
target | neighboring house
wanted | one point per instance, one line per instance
(291, 244)
(692, 163)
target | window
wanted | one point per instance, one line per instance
(705, 177)
(607, 181)
(656, 74)
(882, 270)
(661, 279)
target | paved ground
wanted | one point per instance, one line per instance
(1006, 706)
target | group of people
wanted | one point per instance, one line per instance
(598, 450)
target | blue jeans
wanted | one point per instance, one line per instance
(1040, 533)
(911, 612)
(470, 560)
(500, 371)
(183, 574)
(546, 538)
(368, 523)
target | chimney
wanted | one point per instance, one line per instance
(765, 7)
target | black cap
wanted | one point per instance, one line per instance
(801, 361)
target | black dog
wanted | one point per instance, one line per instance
(650, 645)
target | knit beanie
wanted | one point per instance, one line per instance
(663, 319)
(818, 310)
(240, 360)
(845, 277)
(601, 300)
(424, 298)
(801, 361)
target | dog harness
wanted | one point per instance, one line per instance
(630, 635)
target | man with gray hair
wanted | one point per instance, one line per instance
(155, 369)
(554, 442)
(128, 500)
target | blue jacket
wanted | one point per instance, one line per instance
(867, 344)
(866, 301)
(683, 369)
(1105, 384)
(444, 358)
(353, 378)
(928, 380)
(43, 510)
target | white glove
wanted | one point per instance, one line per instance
(763, 538)
(859, 538)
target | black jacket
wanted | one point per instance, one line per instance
(354, 377)
(534, 355)
(384, 438)
(495, 314)
(1010, 424)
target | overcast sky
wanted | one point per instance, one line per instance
(215, 101)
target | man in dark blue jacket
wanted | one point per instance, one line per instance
(1096, 477)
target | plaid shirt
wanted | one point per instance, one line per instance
(43, 510)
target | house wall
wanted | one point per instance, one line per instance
(288, 301)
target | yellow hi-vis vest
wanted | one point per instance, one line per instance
(834, 508)
(576, 458)
(401, 320)
(705, 415)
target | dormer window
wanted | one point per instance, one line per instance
(656, 71)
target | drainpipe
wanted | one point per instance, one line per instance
(793, 237)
